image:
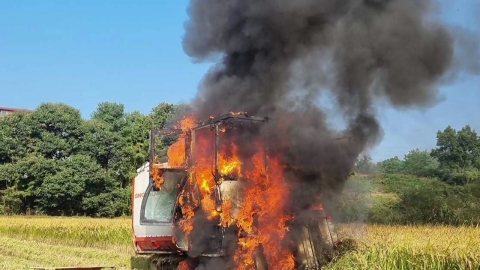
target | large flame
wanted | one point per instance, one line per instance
(262, 215)
(265, 200)
(176, 152)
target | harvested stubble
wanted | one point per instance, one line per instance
(81, 232)
(410, 247)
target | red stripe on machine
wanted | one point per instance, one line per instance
(155, 243)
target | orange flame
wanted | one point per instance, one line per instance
(265, 199)
(229, 164)
(262, 215)
(186, 123)
(157, 177)
(176, 152)
(185, 265)
(186, 224)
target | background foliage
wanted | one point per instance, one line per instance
(54, 162)
(441, 186)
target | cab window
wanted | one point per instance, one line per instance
(158, 204)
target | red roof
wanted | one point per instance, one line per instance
(13, 109)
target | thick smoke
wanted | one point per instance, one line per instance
(277, 58)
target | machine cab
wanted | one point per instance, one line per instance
(154, 205)
(153, 211)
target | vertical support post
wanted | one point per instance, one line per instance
(192, 156)
(215, 154)
(188, 141)
(152, 150)
(218, 192)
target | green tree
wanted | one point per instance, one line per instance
(136, 134)
(108, 204)
(161, 113)
(457, 151)
(61, 130)
(470, 144)
(420, 163)
(25, 177)
(55, 162)
(392, 165)
(69, 191)
(448, 151)
(100, 142)
(19, 135)
(113, 138)
(112, 114)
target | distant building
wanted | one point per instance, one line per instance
(6, 110)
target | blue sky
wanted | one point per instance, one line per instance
(85, 52)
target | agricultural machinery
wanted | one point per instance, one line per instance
(189, 199)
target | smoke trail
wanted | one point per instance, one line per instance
(279, 57)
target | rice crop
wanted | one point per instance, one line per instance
(80, 232)
(365, 246)
(18, 254)
(409, 247)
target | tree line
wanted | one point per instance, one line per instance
(52, 161)
(455, 160)
(437, 186)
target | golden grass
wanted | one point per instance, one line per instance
(47, 241)
(113, 234)
(16, 254)
(410, 247)
(56, 241)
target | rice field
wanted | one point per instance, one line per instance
(27, 242)
(409, 247)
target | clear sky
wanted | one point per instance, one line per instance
(84, 52)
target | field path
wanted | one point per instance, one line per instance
(24, 254)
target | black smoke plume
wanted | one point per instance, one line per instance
(278, 58)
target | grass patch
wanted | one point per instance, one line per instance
(113, 234)
(24, 254)
(410, 247)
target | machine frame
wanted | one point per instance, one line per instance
(213, 124)
(160, 238)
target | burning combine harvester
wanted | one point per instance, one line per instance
(213, 196)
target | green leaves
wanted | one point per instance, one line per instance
(18, 136)
(55, 162)
(392, 165)
(161, 114)
(420, 163)
(458, 150)
(78, 180)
